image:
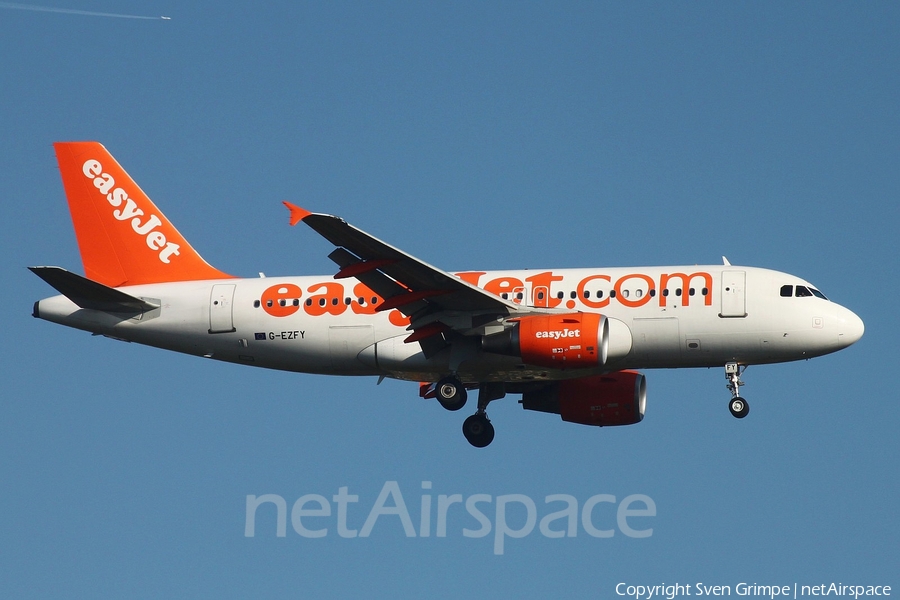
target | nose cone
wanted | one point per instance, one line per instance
(850, 328)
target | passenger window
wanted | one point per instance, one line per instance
(321, 301)
(625, 293)
(599, 293)
(787, 291)
(573, 295)
(638, 293)
(587, 294)
(560, 295)
(256, 304)
(296, 302)
(691, 292)
(612, 293)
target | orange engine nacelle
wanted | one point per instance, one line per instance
(614, 399)
(568, 341)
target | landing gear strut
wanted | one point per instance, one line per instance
(478, 429)
(738, 406)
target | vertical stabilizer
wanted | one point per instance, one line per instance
(123, 238)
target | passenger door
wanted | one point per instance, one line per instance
(733, 296)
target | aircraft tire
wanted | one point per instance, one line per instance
(478, 430)
(451, 393)
(739, 407)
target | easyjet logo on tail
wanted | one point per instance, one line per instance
(126, 209)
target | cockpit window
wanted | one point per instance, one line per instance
(801, 291)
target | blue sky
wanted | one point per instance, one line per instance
(474, 136)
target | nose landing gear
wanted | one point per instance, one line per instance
(739, 407)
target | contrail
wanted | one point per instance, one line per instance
(72, 11)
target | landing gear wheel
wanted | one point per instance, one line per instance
(451, 393)
(478, 430)
(739, 407)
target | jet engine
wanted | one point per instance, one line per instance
(567, 341)
(617, 398)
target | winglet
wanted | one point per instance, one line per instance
(297, 213)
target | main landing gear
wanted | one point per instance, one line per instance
(738, 406)
(451, 393)
(478, 429)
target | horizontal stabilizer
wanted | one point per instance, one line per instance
(90, 294)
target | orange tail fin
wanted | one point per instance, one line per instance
(123, 238)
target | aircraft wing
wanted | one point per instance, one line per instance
(433, 299)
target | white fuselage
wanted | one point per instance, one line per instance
(660, 317)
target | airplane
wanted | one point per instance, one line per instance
(570, 341)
